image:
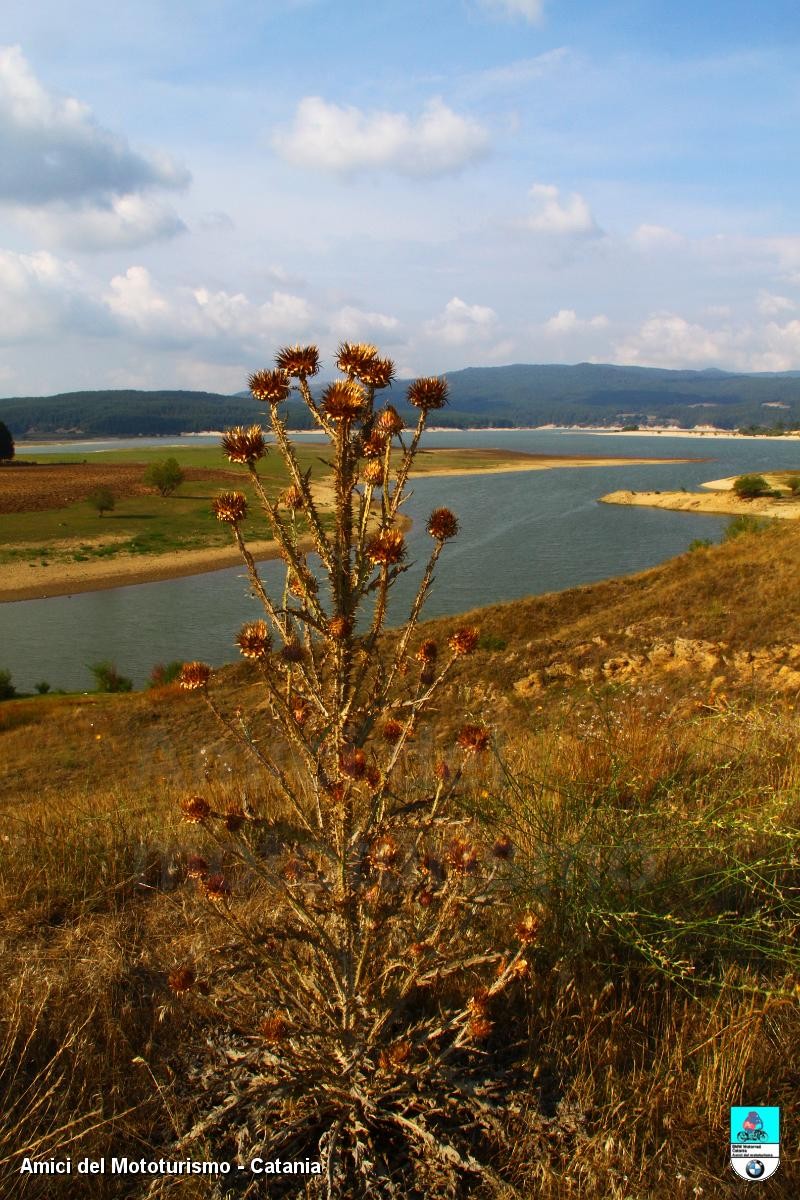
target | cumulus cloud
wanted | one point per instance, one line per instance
(184, 315)
(460, 323)
(528, 10)
(656, 237)
(355, 324)
(40, 295)
(669, 340)
(566, 321)
(346, 140)
(67, 178)
(570, 217)
(771, 305)
(124, 223)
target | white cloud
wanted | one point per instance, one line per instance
(669, 340)
(552, 215)
(566, 321)
(355, 324)
(52, 148)
(528, 10)
(39, 295)
(345, 140)
(124, 223)
(461, 323)
(771, 305)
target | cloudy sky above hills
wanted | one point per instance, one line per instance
(185, 185)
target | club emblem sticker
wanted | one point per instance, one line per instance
(755, 1141)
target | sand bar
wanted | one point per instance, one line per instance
(718, 498)
(32, 581)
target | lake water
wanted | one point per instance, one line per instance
(522, 533)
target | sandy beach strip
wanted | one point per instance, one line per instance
(32, 581)
(724, 503)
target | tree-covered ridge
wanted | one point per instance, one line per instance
(584, 394)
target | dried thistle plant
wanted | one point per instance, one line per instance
(361, 988)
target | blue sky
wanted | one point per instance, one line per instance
(185, 186)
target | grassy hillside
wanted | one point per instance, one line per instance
(647, 769)
(523, 394)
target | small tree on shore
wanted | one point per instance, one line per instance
(165, 476)
(102, 500)
(747, 487)
(7, 448)
(108, 678)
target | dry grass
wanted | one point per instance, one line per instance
(656, 833)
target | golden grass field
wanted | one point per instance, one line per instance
(647, 768)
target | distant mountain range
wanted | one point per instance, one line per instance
(585, 394)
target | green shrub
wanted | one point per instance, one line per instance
(747, 487)
(793, 485)
(165, 476)
(43, 687)
(7, 689)
(108, 678)
(164, 673)
(700, 544)
(746, 523)
(102, 500)
(490, 641)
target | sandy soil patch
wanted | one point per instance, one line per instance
(718, 501)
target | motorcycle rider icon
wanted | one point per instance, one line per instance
(752, 1129)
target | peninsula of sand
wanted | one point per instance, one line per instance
(22, 579)
(718, 498)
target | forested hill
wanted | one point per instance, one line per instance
(585, 394)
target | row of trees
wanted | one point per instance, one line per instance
(6, 443)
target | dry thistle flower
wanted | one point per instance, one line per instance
(301, 709)
(269, 386)
(430, 865)
(373, 473)
(480, 1028)
(298, 361)
(340, 627)
(196, 867)
(182, 979)
(293, 870)
(292, 498)
(527, 929)
(377, 374)
(194, 675)
(428, 393)
(343, 400)
(442, 771)
(274, 1029)
(383, 853)
(388, 422)
(254, 639)
(292, 652)
(396, 1055)
(392, 731)
(463, 641)
(425, 898)
(195, 809)
(244, 445)
(230, 507)
(503, 848)
(427, 652)
(373, 776)
(233, 820)
(216, 888)
(442, 524)
(373, 446)
(462, 856)
(474, 739)
(387, 548)
(480, 1002)
(355, 357)
(353, 763)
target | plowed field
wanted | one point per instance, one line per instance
(36, 488)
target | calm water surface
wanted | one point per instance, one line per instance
(522, 533)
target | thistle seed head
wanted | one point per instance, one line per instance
(182, 979)
(442, 524)
(392, 731)
(196, 867)
(503, 848)
(293, 870)
(389, 422)
(462, 856)
(292, 498)
(373, 446)
(377, 374)
(473, 739)
(353, 358)
(195, 810)
(298, 361)
(387, 548)
(427, 652)
(383, 853)
(233, 820)
(216, 888)
(428, 393)
(353, 763)
(194, 675)
(230, 507)
(480, 1003)
(274, 1029)
(373, 472)
(343, 400)
(244, 445)
(254, 639)
(480, 1028)
(527, 929)
(269, 386)
(292, 652)
(395, 1056)
(464, 641)
(340, 628)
